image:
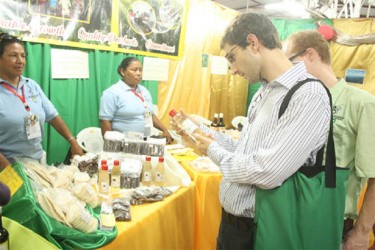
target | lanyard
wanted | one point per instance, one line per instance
(22, 98)
(140, 97)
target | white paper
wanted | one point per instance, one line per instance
(219, 65)
(69, 64)
(155, 69)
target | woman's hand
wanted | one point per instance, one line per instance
(75, 148)
(168, 136)
(3, 162)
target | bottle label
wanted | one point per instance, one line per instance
(4, 245)
(189, 126)
(146, 176)
(104, 186)
(115, 182)
(159, 177)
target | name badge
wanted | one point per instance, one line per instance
(32, 127)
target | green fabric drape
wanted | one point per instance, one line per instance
(286, 27)
(76, 100)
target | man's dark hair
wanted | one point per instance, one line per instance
(251, 23)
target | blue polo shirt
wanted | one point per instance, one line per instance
(123, 108)
(13, 139)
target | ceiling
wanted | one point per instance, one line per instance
(314, 8)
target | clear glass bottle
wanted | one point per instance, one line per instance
(147, 172)
(103, 179)
(159, 172)
(186, 125)
(4, 235)
(116, 176)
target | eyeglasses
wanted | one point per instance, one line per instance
(297, 55)
(228, 55)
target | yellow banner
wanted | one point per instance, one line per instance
(149, 27)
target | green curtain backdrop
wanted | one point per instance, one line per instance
(77, 100)
(286, 27)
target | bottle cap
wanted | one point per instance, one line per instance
(116, 162)
(102, 162)
(104, 167)
(172, 112)
(148, 158)
(161, 159)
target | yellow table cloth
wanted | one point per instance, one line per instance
(167, 224)
(207, 204)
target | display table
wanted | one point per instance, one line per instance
(207, 204)
(167, 224)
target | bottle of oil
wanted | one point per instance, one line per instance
(147, 172)
(115, 176)
(215, 122)
(221, 126)
(159, 172)
(4, 235)
(103, 179)
(186, 125)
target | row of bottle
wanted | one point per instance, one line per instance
(218, 123)
(150, 177)
(112, 181)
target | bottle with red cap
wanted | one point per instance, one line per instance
(147, 172)
(185, 124)
(159, 172)
(103, 178)
(116, 176)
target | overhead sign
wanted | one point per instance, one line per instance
(150, 27)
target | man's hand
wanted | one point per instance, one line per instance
(203, 142)
(356, 240)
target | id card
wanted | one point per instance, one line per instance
(148, 119)
(32, 127)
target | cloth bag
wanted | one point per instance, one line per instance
(307, 210)
(24, 209)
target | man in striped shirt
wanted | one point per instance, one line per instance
(269, 149)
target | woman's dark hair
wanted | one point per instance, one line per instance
(125, 64)
(6, 39)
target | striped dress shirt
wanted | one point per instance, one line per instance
(269, 149)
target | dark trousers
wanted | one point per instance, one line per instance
(235, 232)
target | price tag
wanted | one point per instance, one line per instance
(11, 178)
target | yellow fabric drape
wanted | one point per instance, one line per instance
(355, 57)
(191, 86)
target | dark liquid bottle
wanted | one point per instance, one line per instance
(215, 122)
(221, 126)
(4, 235)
